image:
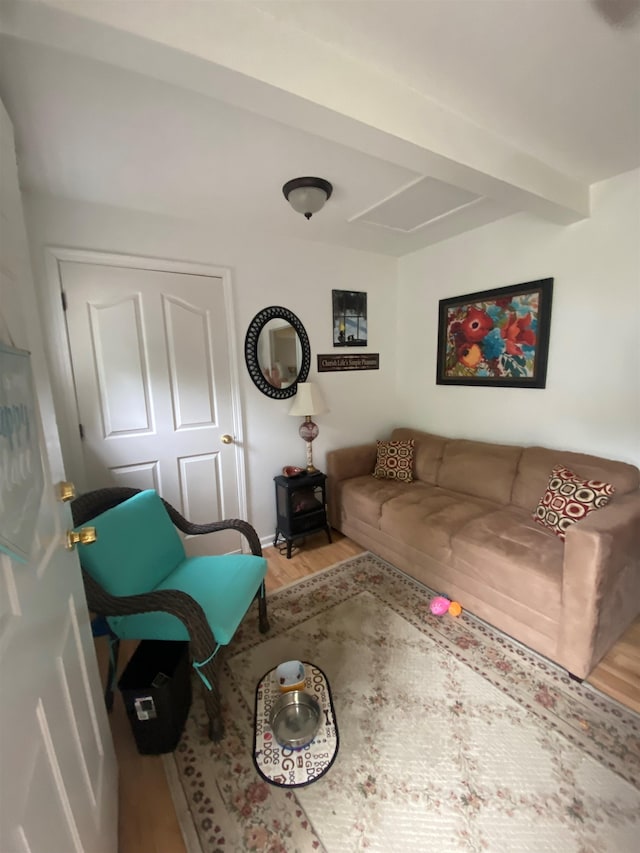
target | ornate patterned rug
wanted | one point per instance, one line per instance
(453, 737)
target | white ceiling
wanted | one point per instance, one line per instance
(429, 117)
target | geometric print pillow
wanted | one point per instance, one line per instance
(394, 461)
(568, 498)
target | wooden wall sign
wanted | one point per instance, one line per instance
(362, 361)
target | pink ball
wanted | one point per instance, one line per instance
(439, 605)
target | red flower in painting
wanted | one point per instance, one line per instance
(456, 332)
(476, 324)
(518, 331)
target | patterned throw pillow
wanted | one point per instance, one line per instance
(394, 461)
(568, 499)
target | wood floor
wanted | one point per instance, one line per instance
(147, 819)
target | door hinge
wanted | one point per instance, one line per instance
(63, 297)
(81, 429)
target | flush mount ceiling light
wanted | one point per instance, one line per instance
(307, 195)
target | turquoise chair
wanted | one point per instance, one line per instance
(140, 583)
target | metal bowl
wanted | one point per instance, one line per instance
(295, 718)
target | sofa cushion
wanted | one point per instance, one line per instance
(536, 464)
(568, 498)
(363, 497)
(513, 554)
(426, 517)
(427, 453)
(480, 469)
(394, 460)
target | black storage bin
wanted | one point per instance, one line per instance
(156, 688)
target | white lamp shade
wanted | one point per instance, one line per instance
(307, 199)
(308, 400)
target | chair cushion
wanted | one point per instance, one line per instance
(224, 586)
(137, 546)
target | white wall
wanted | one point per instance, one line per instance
(592, 399)
(297, 275)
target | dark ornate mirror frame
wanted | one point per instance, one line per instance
(275, 312)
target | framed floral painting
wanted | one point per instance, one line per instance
(496, 337)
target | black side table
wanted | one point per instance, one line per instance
(301, 507)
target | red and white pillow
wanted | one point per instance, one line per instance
(568, 499)
(394, 461)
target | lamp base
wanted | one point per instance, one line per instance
(311, 468)
(308, 431)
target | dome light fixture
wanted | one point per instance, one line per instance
(307, 195)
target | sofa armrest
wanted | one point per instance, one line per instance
(343, 464)
(600, 582)
(347, 462)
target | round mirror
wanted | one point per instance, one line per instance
(277, 353)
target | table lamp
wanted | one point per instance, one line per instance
(308, 401)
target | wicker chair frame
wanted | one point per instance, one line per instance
(179, 604)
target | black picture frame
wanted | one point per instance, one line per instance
(497, 337)
(349, 318)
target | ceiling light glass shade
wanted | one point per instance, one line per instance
(307, 195)
(308, 400)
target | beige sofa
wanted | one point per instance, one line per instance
(464, 527)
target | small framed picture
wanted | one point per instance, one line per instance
(349, 318)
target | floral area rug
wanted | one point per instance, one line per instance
(452, 736)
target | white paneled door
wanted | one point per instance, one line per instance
(58, 774)
(151, 362)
